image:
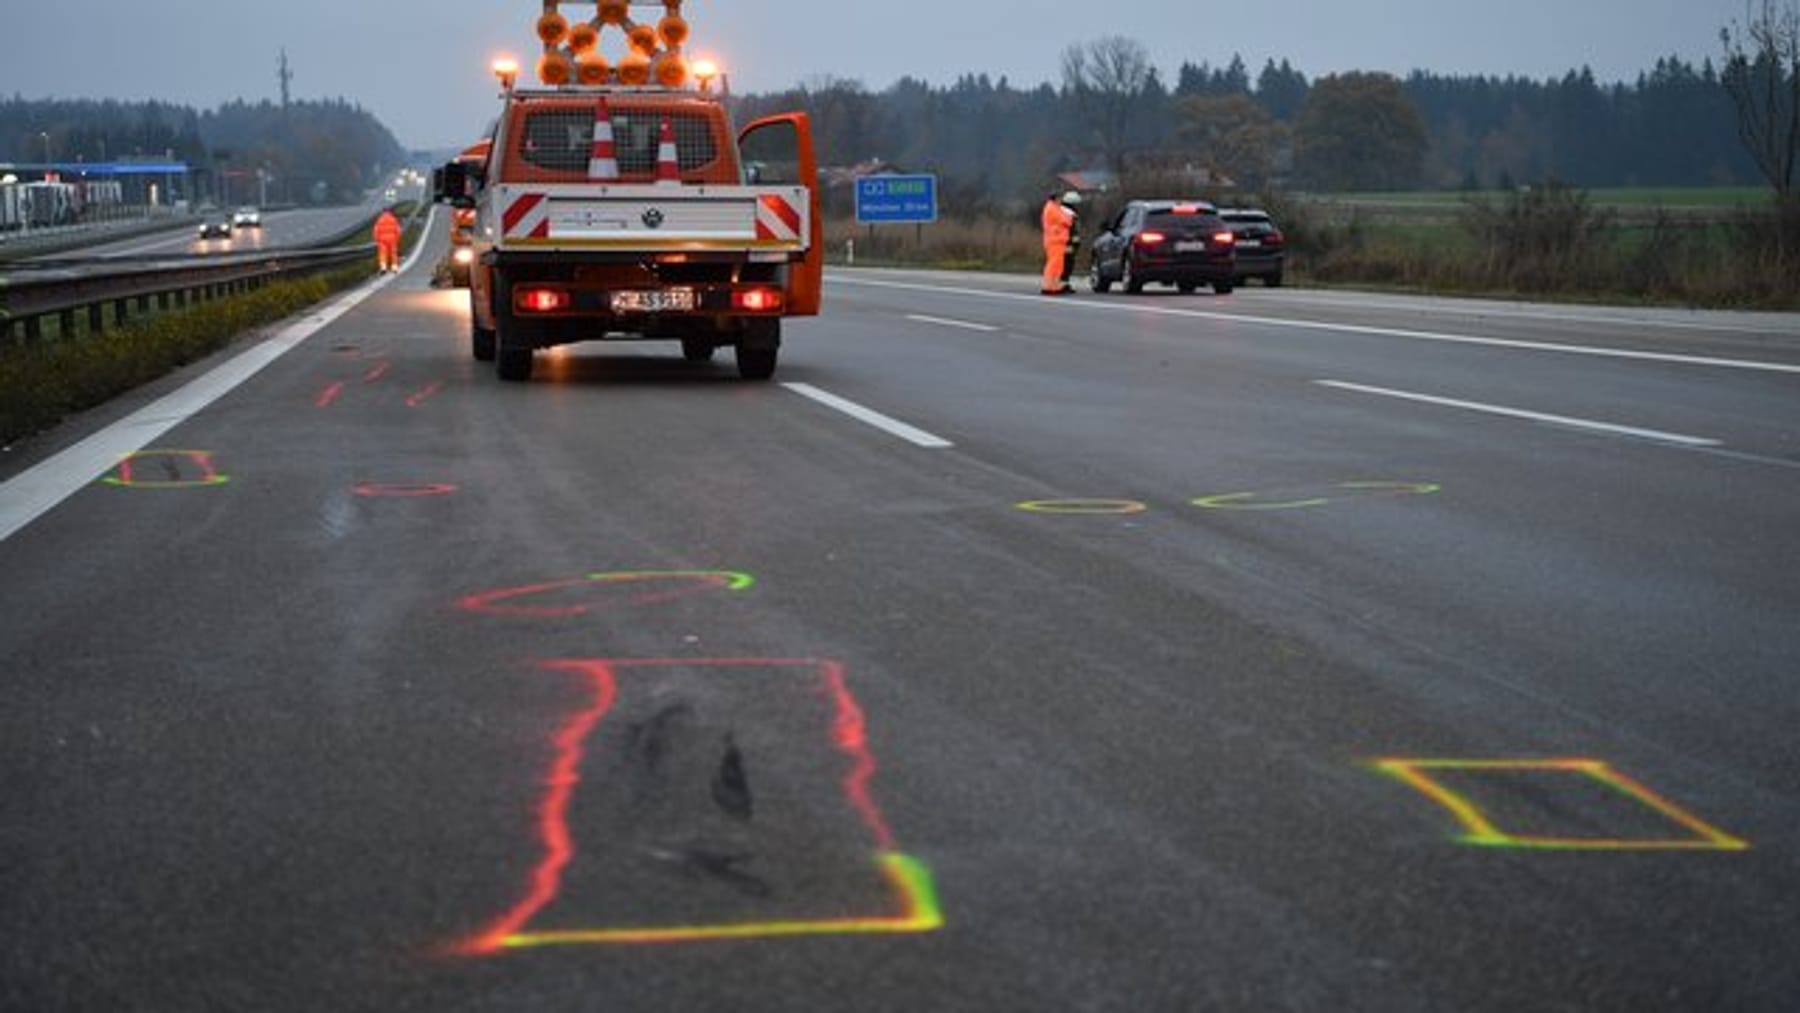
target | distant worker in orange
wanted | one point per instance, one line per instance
(1059, 228)
(387, 242)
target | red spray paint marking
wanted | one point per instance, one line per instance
(126, 476)
(378, 371)
(553, 826)
(499, 603)
(328, 396)
(378, 490)
(849, 734)
(424, 394)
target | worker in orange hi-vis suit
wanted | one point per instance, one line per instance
(1059, 224)
(387, 242)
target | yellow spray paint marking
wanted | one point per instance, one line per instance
(1084, 507)
(1301, 498)
(1481, 830)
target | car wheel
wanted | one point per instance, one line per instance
(1186, 287)
(1097, 279)
(1272, 280)
(1222, 287)
(697, 351)
(1128, 278)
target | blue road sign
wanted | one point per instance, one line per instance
(884, 200)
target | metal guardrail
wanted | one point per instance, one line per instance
(67, 290)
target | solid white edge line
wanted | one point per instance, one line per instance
(947, 322)
(36, 491)
(1315, 325)
(893, 427)
(1520, 413)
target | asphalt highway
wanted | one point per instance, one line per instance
(299, 227)
(1283, 650)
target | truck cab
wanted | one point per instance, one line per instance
(685, 231)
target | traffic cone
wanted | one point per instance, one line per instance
(603, 165)
(668, 163)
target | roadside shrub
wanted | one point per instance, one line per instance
(44, 382)
(1537, 239)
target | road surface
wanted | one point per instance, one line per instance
(1281, 650)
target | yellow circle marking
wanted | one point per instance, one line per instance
(1084, 507)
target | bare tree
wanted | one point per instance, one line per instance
(1762, 74)
(1107, 78)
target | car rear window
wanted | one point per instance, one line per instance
(562, 140)
(1183, 222)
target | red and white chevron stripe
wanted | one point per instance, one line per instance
(527, 217)
(603, 165)
(777, 220)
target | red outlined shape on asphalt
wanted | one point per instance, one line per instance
(377, 371)
(328, 396)
(657, 587)
(126, 475)
(424, 394)
(389, 490)
(909, 882)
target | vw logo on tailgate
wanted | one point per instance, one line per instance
(653, 218)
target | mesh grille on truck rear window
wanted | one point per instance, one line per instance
(563, 140)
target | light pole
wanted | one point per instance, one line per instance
(45, 134)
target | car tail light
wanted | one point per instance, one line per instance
(756, 300)
(541, 300)
(1225, 238)
(1275, 237)
(1150, 238)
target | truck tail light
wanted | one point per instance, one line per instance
(756, 300)
(1150, 238)
(541, 300)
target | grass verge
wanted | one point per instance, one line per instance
(42, 383)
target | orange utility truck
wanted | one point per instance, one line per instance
(618, 203)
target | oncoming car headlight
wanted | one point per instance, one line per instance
(465, 256)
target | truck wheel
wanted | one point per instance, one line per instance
(697, 351)
(1222, 287)
(481, 339)
(758, 347)
(1272, 280)
(756, 363)
(513, 364)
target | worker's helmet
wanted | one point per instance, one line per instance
(1071, 199)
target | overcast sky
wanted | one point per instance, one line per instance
(421, 66)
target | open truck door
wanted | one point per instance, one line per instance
(779, 150)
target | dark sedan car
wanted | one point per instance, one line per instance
(1181, 243)
(215, 229)
(1261, 248)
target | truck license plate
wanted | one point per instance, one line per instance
(663, 300)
